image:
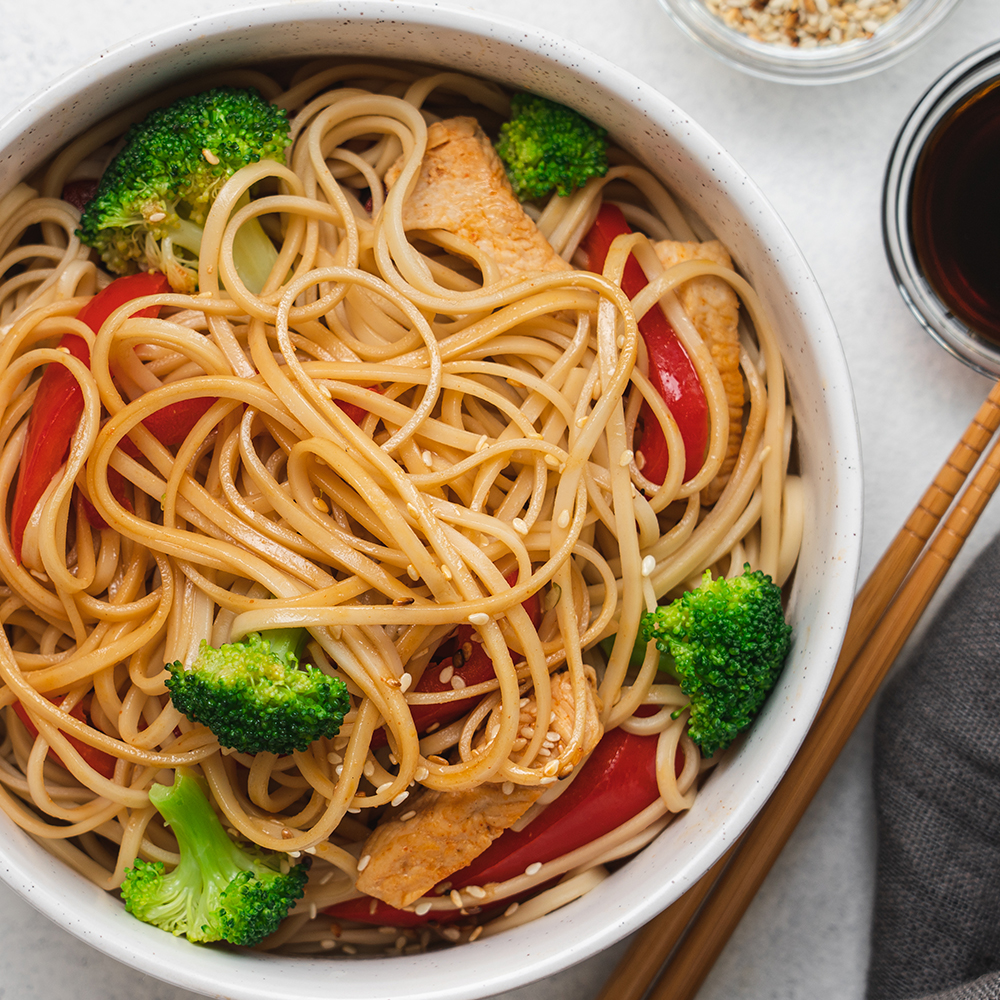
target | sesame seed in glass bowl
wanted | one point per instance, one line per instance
(809, 41)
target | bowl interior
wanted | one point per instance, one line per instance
(717, 190)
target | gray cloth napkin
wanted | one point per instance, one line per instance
(936, 932)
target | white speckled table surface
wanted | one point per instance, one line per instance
(819, 155)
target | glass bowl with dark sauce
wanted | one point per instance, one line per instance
(941, 210)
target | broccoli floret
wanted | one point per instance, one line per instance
(547, 145)
(151, 203)
(255, 696)
(727, 641)
(219, 891)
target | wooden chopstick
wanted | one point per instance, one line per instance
(641, 964)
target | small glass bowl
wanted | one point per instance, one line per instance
(821, 64)
(971, 76)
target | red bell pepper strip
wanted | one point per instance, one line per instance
(616, 782)
(355, 412)
(59, 400)
(670, 368)
(469, 662)
(103, 763)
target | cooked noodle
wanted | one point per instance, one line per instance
(498, 446)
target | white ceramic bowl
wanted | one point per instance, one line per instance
(697, 168)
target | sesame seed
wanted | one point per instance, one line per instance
(551, 768)
(411, 572)
(581, 422)
(334, 758)
(512, 909)
(320, 505)
(421, 773)
(401, 798)
(384, 787)
(519, 525)
(476, 891)
(476, 931)
(456, 897)
(547, 781)
(552, 462)
(625, 458)
(421, 908)
(563, 520)
(405, 681)
(401, 941)
(507, 787)
(353, 810)
(407, 816)
(648, 565)
(210, 156)
(157, 216)
(310, 850)
(339, 770)
(457, 683)
(446, 571)
(412, 510)
(369, 768)
(620, 342)
(482, 443)
(479, 618)
(552, 736)
(327, 943)
(534, 868)
(451, 933)
(312, 911)
(349, 949)
(428, 459)
(363, 862)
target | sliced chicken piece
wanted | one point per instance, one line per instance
(714, 310)
(462, 188)
(451, 829)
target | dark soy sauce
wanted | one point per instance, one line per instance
(955, 211)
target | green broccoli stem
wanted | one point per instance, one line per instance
(200, 835)
(287, 644)
(253, 252)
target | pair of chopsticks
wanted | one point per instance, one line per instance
(690, 935)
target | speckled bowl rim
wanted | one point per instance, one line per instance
(718, 190)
